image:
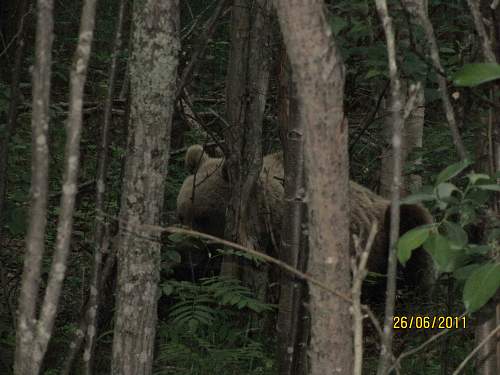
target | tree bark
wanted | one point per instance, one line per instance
(397, 121)
(319, 74)
(29, 360)
(100, 224)
(153, 68)
(246, 90)
(292, 238)
(412, 138)
(35, 238)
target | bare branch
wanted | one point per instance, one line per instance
(476, 349)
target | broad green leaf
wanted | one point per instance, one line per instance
(439, 247)
(474, 177)
(445, 189)
(463, 273)
(417, 198)
(456, 235)
(491, 187)
(452, 170)
(481, 285)
(475, 74)
(410, 241)
(472, 249)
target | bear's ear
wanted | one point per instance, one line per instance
(195, 157)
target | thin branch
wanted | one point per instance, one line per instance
(359, 273)
(396, 109)
(205, 35)
(481, 31)
(476, 349)
(421, 12)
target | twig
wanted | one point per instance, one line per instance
(476, 349)
(359, 272)
(421, 12)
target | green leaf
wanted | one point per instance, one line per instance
(445, 189)
(452, 170)
(474, 177)
(491, 187)
(456, 235)
(463, 273)
(417, 198)
(410, 241)
(476, 74)
(481, 285)
(439, 247)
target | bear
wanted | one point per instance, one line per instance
(202, 199)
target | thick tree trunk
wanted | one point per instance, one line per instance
(153, 69)
(319, 74)
(246, 91)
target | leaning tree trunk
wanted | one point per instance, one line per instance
(246, 90)
(319, 74)
(153, 68)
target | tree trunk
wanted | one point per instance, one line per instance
(153, 68)
(246, 91)
(412, 138)
(319, 74)
(292, 236)
(101, 237)
(33, 340)
(35, 238)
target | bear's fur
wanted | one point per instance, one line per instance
(202, 200)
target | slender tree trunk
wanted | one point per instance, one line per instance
(319, 74)
(153, 69)
(420, 11)
(397, 120)
(246, 90)
(291, 289)
(101, 239)
(412, 138)
(488, 357)
(29, 360)
(35, 238)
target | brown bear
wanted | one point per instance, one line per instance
(201, 204)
